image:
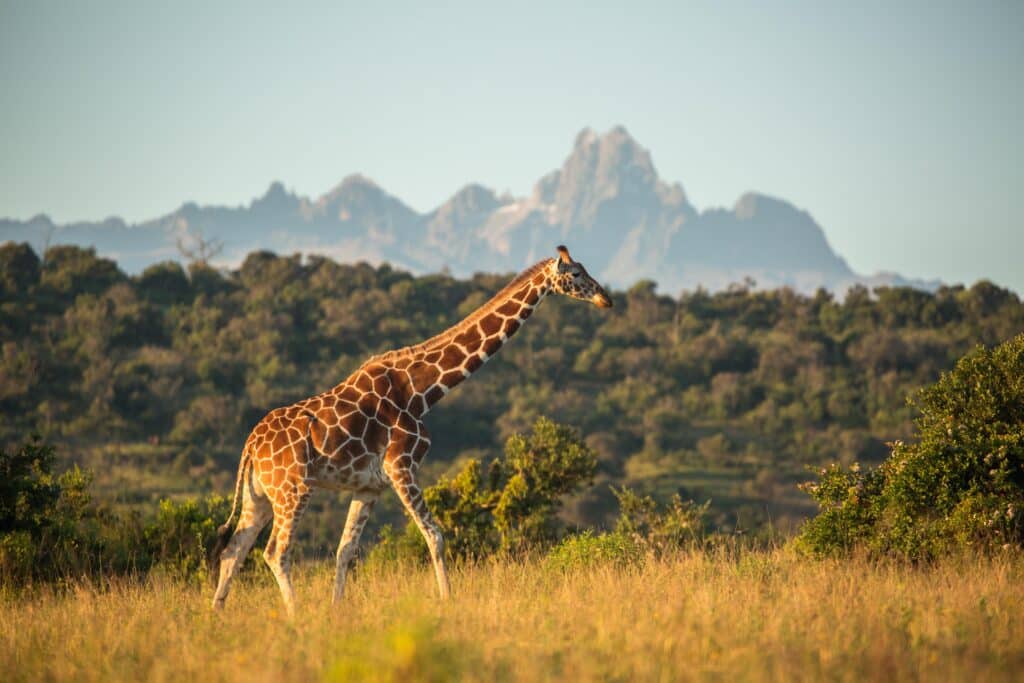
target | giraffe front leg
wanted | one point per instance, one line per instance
(399, 470)
(358, 512)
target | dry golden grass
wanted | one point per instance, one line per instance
(755, 616)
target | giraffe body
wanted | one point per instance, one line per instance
(367, 433)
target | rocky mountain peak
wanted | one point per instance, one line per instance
(276, 198)
(600, 168)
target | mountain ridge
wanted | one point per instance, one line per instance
(606, 201)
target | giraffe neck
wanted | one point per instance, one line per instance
(439, 364)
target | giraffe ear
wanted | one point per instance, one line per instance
(564, 254)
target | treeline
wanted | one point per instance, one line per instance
(153, 381)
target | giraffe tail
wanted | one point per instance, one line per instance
(224, 530)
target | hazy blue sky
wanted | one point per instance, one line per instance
(897, 125)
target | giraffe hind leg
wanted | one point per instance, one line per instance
(256, 512)
(287, 512)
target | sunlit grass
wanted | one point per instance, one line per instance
(750, 616)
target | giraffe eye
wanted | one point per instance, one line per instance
(576, 274)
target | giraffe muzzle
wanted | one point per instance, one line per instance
(602, 300)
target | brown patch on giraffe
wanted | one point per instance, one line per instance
(402, 363)
(346, 408)
(381, 385)
(327, 417)
(491, 345)
(538, 279)
(349, 393)
(420, 450)
(376, 370)
(509, 309)
(452, 378)
(363, 383)
(418, 406)
(279, 441)
(468, 339)
(318, 434)
(473, 363)
(401, 386)
(432, 357)
(452, 357)
(406, 423)
(434, 394)
(424, 375)
(354, 424)
(375, 437)
(333, 439)
(387, 412)
(368, 405)
(490, 324)
(511, 326)
(531, 297)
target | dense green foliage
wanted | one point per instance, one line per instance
(958, 486)
(153, 381)
(50, 528)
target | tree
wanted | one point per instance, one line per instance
(960, 486)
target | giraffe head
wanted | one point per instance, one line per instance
(572, 279)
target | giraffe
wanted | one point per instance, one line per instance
(367, 433)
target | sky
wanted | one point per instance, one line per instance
(898, 126)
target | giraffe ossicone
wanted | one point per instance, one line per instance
(367, 433)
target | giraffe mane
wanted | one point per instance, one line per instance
(470, 320)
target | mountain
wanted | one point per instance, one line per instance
(606, 202)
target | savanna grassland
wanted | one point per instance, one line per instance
(739, 615)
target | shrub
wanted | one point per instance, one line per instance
(179, 537)
(679, 525)
(959, 487)
(511, 509)
(45, 528)
(589, 549)
(50, 528)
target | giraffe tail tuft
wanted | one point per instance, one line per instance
(224, 531)
(213, 560)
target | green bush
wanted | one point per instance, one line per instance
(50, 529)
(643, 529)
(181, 534)
(679, 525)
(589, 549)
(959, 487)
(511, 509)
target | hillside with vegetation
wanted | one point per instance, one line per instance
(152, 382)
